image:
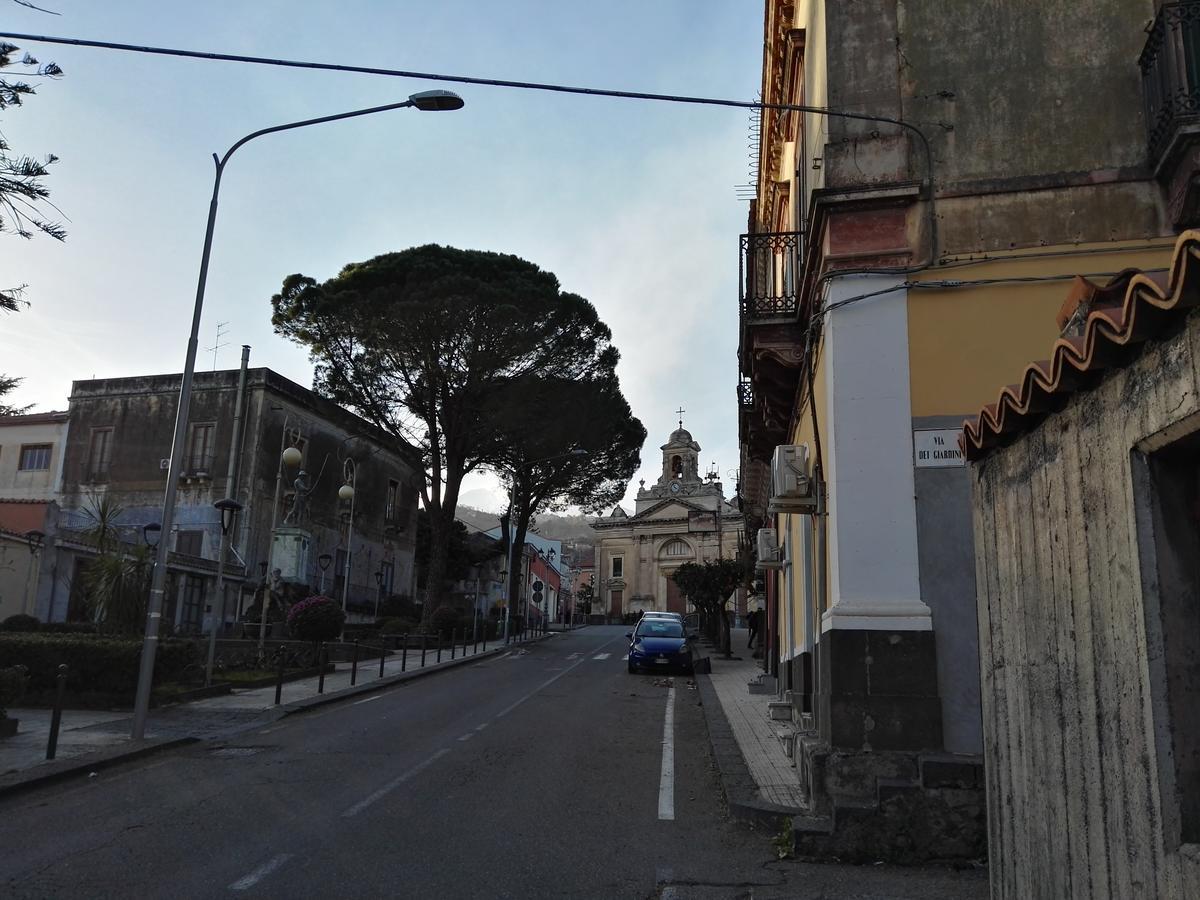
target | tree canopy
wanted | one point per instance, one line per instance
(425, 342)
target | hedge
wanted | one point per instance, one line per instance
(96, 665)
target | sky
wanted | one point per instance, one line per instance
(630, 203)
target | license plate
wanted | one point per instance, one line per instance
(661, 662)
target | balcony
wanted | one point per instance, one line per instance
(1170, 64)
(768, 272)
(745, 391)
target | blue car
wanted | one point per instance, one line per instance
(659, 644)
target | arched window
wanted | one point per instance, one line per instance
(676, 466)
(677, 548)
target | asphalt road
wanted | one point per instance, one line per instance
(537, 774)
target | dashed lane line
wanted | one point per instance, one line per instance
(394, 783)
(602, 656)
(249, 881)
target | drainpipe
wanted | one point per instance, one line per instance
(231, 476)
(814, 610)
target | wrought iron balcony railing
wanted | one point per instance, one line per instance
(745, 391)
(768, 272)
(1170, 64)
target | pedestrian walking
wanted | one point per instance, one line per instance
(752, 624)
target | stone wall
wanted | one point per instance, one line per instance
(1078, 757)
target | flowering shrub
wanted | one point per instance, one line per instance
(316, 618)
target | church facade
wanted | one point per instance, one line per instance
(681, 518)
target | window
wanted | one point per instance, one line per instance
(389, 577)
(200, 449)
(676, 467)
(193, 604)
(189, 543)
(677, 548)
(618, 567)
(34, 457)
(99, 454)
(1167, 488)
(390, 509)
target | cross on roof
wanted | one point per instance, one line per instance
(681, 411)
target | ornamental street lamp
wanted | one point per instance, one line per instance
(425, 100)
(229, 508)
(346, 495)
(324, 561)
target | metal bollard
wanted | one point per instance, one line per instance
(279, 679)
(382, 656)
(439, 650)
(453, 641)
(56, 716)
(485, 637)
(474, 640)
(321, 667)
(423, 640)
(354, 666)
(404, 654)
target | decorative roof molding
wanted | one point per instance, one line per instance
(1110, 330)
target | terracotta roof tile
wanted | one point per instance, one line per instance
(1126, 312)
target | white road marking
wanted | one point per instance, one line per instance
(573, 656)
(260, 873)
(481, 727)
(625, 657)
(602, 656)
(666, 782)
(394, 783)
(545, 684)
(467, 736)
(368, 700)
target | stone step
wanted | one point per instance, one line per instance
(780, 710)
(763, 684)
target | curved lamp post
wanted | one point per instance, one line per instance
(428, 101)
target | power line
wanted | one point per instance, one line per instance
(926, 152)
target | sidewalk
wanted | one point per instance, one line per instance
(750, 755)
(91, 731)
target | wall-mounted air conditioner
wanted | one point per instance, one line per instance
(791, 484)
(770, 554)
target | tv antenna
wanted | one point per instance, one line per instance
(222, 330)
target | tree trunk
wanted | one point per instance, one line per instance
(725, 636)
(435, 575)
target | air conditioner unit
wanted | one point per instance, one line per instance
(769, 552)
(791, 486)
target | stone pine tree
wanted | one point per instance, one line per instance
(544, 422)
(422, 343)
(23, 193)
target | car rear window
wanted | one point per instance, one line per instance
(659, 628)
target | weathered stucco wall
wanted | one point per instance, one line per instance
(1072, 765)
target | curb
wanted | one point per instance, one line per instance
(46, 774)
(738, 785)
(63, 769)
(300, 706)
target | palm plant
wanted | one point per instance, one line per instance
(117, 580)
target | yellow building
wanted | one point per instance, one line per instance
(900, 263)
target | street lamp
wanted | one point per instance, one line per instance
(378, 592)
(324, 561)
(229, 508)
(152, 534)
(426, 101)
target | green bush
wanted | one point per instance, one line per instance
(316, 619)
(69, 628)
(95, 665)
(20, 622)
(12, 687)
(445, 620)
(399, 626)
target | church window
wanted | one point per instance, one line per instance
(676, 466)
(618, 567)
(677, 548)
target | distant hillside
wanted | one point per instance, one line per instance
(555, 527)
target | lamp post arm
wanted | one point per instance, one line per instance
(141, 706)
